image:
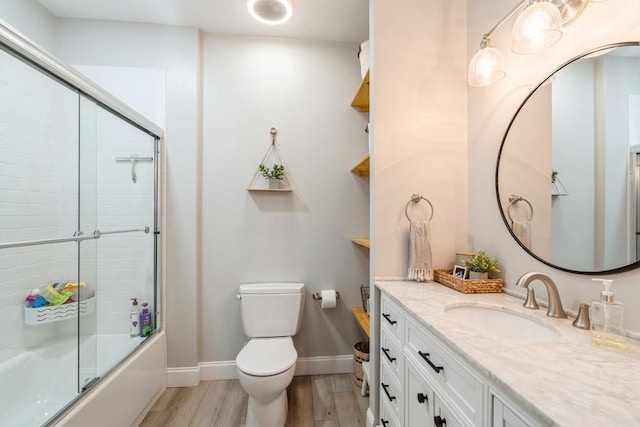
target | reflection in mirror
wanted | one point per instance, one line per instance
(568, 173)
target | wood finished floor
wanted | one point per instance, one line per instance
(314, 401)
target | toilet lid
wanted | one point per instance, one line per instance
(263, 357)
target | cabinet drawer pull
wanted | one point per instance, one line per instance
(425, 356)
(384, 422)
(386, 353)
(439, 421)
(422, 398)
(385, 387)
(388, 317)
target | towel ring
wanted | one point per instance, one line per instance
(513, 199)
(416, 198)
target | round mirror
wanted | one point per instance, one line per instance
(568, 170)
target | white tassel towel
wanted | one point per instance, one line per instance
(420, 268)
(522, 230)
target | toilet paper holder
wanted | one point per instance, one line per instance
(318, 296)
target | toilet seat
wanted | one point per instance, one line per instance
(263, 357)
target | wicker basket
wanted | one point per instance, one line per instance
(468, 286)
(360, 354)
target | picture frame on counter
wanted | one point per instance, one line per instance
(459, 272)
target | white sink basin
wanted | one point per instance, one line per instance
(501, 322)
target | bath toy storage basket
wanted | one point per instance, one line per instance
(55, 313)
(467, 286)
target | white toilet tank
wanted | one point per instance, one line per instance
(271, 309)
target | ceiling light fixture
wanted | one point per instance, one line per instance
(537, 27)
(270, 12)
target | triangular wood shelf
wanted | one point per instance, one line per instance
(362, 168)
(272, 157)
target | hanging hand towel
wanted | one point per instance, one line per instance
(420, 268)
(522, 230)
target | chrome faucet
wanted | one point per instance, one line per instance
(555, 305)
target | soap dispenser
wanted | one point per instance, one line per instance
(607, 319)
(134, 320)
(145, 321)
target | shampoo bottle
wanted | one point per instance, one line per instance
(145, 321)
(134, 325)
(607, 319)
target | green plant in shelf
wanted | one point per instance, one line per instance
(554, 176)
(482, 262)
(276, 172)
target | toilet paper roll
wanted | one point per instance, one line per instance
(329, 299)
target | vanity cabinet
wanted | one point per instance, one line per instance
(423, 382)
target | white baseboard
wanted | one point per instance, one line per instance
(226, 370)
(370, 420)
(210, 371)
(183, 377)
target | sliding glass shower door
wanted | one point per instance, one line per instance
(78, 239)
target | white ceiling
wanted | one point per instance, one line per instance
(338, 20)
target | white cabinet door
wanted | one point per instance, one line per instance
(443, 416)
(418, 397)
(503, 416)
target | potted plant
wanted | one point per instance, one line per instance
(480, 264)
(275, 174)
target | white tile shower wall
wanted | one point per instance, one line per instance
(37, 124)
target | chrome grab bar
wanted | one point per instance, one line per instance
(78, 236)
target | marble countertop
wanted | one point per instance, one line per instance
(567, 382)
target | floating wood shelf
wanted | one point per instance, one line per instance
(362, 242)
(362, 318)
(284, 190)
(361, 99)
(362, 168)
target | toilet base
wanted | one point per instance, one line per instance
(267, 414)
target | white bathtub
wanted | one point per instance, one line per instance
(38, 383)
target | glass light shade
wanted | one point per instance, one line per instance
(270, 12)
(537, 27)
(486, 67)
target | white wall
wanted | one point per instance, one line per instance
(174, 49)
(573, 215)
(490, 110)
(32, 19)
(420, 128)
(304, 90)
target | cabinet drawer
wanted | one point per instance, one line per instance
(459, 383)
(418, 397)
(392, 318)
(391, 353)
(391, 393)
(387, 419)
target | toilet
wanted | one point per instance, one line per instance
(271, 316)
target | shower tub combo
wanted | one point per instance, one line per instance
(79, 186)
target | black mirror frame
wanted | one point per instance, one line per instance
(621, 269)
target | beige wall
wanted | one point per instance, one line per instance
(491, 109)
(420, 127)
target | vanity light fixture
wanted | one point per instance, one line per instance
(270, 12)
(537, 27)
(486, 66)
